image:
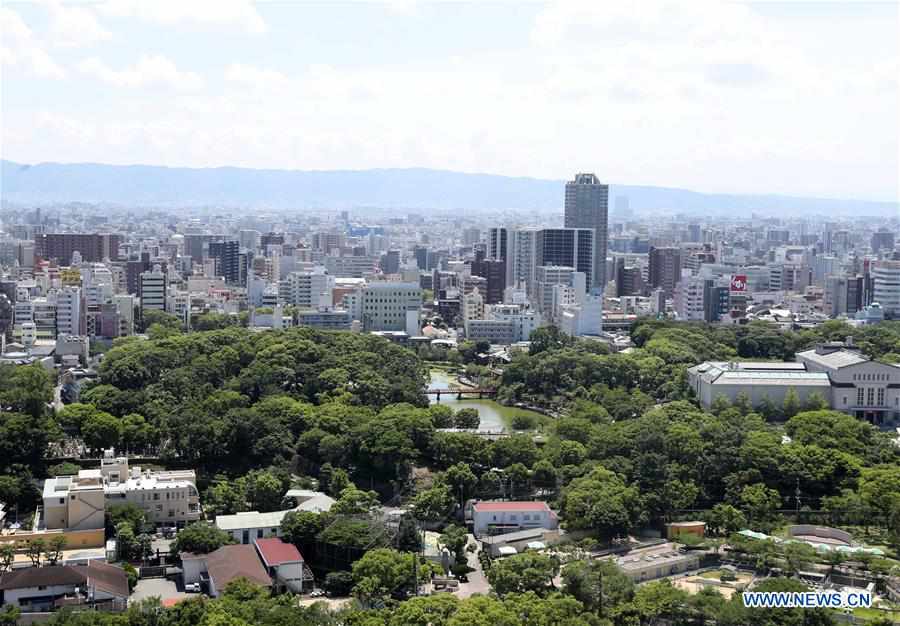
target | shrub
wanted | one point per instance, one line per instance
(523, 422)
(338, 583)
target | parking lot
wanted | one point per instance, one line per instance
(162, 588)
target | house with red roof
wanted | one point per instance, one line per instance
(495, 518)
(284, 563)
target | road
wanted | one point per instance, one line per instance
(477, 582)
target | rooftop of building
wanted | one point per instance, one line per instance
(307, 500)
(250, 519)
(46, 576)
(758, 372)
(510, 506)
(236, 561)
(274, 551)
(659, 557)
(832, 358)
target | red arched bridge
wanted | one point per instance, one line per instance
(460, 393)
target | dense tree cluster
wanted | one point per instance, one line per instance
(26, 427)
(676, 456)
(558, 369)
(576, 604)
(235, 399)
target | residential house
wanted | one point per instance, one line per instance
(284, 563)
(494, 518)
(46, 588)
(220, 567)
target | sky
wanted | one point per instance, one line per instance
(797, 98)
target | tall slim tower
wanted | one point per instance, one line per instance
(587, 206)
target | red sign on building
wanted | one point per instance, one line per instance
(739, 282)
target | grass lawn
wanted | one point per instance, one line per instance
(714, 574)
(894, 615)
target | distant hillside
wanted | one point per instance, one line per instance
(143, 185)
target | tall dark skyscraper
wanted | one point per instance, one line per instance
(587, 206)
(665, 268)
(497, 243)
(228, 255)
(567, 247)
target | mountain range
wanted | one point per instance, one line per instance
(416, 189)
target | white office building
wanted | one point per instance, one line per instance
(153, 289)
(689, 298)
(387, 305)
(307, 289)
(69, 311)
(886, 287)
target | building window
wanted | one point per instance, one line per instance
(159, 508)
(259, 533)
(171, 512)
(881, 397)
(870, 396)
(860, 394)
(156, 496)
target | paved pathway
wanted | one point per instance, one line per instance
(477, 582)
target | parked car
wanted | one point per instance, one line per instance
(317, 593)
(192, 588)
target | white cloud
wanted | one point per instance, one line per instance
(20, 48)
(241, 14)
(74, 26)
(260, 78)
(717, 98)
(149, 70)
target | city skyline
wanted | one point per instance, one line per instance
(770, 98)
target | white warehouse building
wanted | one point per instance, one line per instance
(843, 377)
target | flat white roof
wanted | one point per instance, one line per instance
(833, 360)
(250, 519)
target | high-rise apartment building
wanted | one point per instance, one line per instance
(153, 289)
(689, 298)
(495, 273)
(228, 258)
(522, 258)
(587, 206)
(70, 311)
(307, 290)
(665, 268)
(93, 247)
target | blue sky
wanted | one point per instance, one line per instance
(797, 98)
